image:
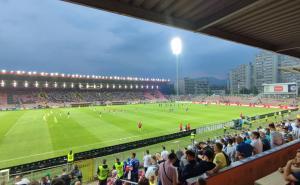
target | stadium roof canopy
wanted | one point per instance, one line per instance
(268, 24)
(291, 69)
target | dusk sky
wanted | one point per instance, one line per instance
(56, 36)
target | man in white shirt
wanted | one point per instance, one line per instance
(147, 160)
(164, 154)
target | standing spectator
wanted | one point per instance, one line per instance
(134, 168)
(168, 174)
(34, 183)
(45, 181)
(119, 166)
(152, 171)
(256, 143)
(65, 177)
(103, 172)
(147, 160)
(183, 160)
(276, 138)
(164, 154)
(77, 173)
(20, 180)
(77, 183)
(243, 150)
(159, 158)
(57, 181)
(231, 149)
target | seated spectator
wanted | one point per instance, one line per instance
(289, 175)
(168, 174)
(192, 169)
(265, 141)
(201, 181)
(243, 150)
(276, 138)
(205, 148)
(256, 143)
(220, 160)
(296, 128)
(231, 149)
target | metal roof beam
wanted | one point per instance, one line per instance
(226, 13)
(290, 46)
(238, 38)
(126, 9)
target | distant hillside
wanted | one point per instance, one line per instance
(215, 81)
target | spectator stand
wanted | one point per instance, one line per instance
(90, 160)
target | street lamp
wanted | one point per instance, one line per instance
(176, 47)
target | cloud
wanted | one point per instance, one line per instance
(56, 36)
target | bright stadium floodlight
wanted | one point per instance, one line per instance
(15, 83)
(176, 46)
(2, 83)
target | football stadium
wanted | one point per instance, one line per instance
(83, 118)
(73, 129)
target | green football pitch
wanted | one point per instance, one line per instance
(31, 135)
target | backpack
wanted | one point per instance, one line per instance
(228, 161)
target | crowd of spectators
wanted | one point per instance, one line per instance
(61, 96)
(198, 160)
(27, 98)
(203, 159)
(74, 177)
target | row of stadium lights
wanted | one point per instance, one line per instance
(64, 85)
(85, 76)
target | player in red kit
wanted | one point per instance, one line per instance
(188, 126)
(180, 126)
(140, 126)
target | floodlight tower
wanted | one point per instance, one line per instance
(176, 46)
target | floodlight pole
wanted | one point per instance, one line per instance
(177, 75)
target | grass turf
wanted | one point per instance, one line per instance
(31, 135)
